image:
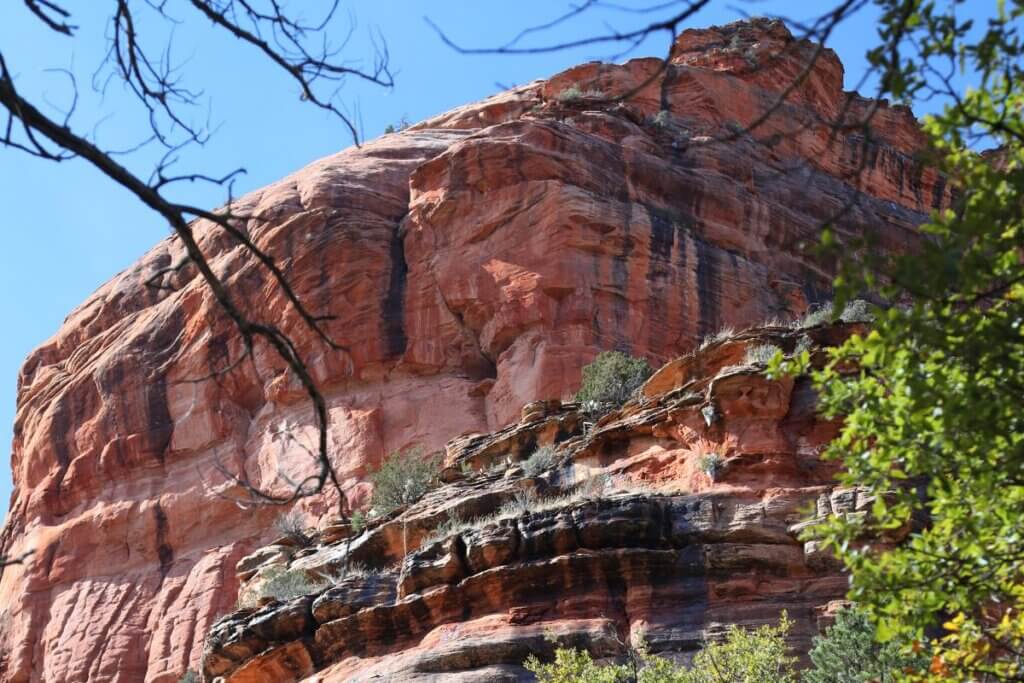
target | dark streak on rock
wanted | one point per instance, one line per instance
(393, 310)
(708, 288)
(164, 551)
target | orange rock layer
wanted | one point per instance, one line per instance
(625, 532)
(471, 264)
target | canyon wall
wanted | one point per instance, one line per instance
(470, 264)
(664, 521)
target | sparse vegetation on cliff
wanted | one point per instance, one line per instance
(854, 311)
(539, 461)
(760, 354)
(711, 464)
(293, 527)
(612, 378)
(281, 583)
(522, 503)
(402, 479)
(721, 335)
(574, 94)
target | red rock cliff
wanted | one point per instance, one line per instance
(472, 263)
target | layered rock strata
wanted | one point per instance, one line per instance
(470, 264)
(668, 519)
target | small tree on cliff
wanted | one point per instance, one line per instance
(402, 479)
(612, 378)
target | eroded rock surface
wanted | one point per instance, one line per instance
(626, 531)
(472, 264)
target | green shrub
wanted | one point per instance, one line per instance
(612, 378)
(850, 653)
(756, 656)
(575, 666)
(542, 459)
(711, 464)
(358, 521)
(189, 676)
(402, 479)
(751, 656)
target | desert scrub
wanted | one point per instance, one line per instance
(541, 460)
(711, 464)
(719, 336)
(293, 528)
(353, 570)
(760, 354)
(815, 315)
(403, 478)
(855, 311)
(453, 526)
(612, 378)
(283, 584)
(574, 94)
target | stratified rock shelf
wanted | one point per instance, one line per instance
(666, 520)
(471, 264)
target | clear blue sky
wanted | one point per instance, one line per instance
(67, 230)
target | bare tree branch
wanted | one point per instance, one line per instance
(155, 79)
(52, 15)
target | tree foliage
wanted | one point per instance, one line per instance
(849, 652)
(931, 396)
(402, 479)
(750, 656)
(611, 378)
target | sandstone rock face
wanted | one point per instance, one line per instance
(472, 264)
(626, 531)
